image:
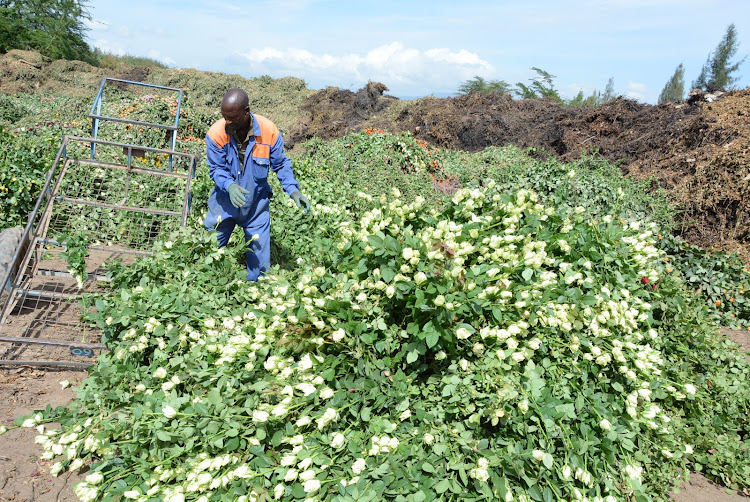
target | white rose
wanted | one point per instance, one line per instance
(338, 335)
(359, 465)
(260, 416)
(311, 485)
(291, 475)
(95, 478)
(169, 412)
(338, 441)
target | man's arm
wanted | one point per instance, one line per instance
(218, 167)
(282, 166)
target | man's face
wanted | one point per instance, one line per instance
(237, 120)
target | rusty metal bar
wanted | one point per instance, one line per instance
(114, 143)
(134, 122)
(83, 202)
(70, 364)
(46, 295)
(10, 301)
(113, 249)
(137, 170)
(56, 343)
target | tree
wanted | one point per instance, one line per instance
(541, 87)
(55, 28)
(596, 98)
(609, 92)
(717, 71)
(674, 90)
(479, 84)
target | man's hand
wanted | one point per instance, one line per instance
(301, 201)
(237, 195)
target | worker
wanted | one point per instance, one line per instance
(240, 149)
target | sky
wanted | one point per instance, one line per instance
(429, 48)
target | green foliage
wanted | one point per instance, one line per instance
(75, 253)
(23, 163)
(720, 280)
(717, 71)
(115, 61)
(674, 90)
(591, 182)
(480, 85)
(10, 110)
(609, 92)
(31, 129)
(541, 86)
(53, 27)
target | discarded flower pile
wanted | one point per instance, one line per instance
(497, 350)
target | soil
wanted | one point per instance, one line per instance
(23, 476)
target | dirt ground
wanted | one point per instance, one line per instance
(25, 478)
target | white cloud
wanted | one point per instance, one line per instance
(109, 47)
(154, 54)
(401, 68)
(637, 91)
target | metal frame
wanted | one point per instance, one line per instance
(28, 255)
(96, 115)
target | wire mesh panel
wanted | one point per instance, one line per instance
(120, 203)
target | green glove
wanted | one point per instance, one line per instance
(236, 195)
(301, 201)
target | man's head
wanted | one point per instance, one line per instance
(235, 108)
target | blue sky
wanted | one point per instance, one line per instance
(423, 48)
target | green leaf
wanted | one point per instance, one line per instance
(547, 461)
(432, 339)
(365, 414)
(442, 486)
(387, 273)
(527, 274)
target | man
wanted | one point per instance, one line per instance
(240, 148)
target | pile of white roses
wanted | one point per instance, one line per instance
(498, 349)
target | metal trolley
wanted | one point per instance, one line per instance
(121, 198)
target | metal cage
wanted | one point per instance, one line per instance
(122, 198)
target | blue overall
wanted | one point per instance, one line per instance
(265, 150)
